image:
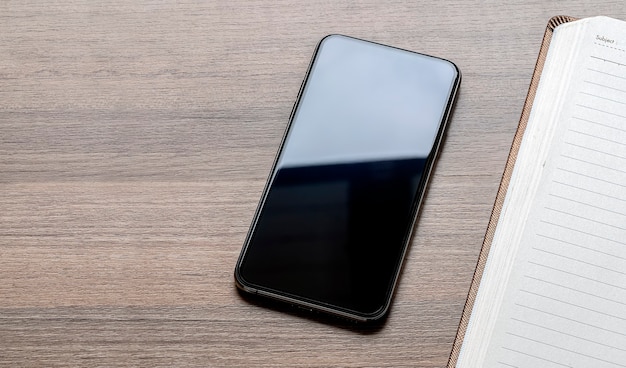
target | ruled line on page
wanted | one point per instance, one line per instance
(594, 164)
(571, 319)
(594, 150)
(588, 190)
(579, 261)
(590, 176)
(584, 218)
(580, 246)
(598, 137)
(537, 357)
(507, 364)
(597, 123)
(583, 232)
(578, 275)
(607, 60)
(606, 73)
(574, 305)
(586, 204)
(574, 289)
(567, 334)
(605, 86)
(568, 350)
(603, 98)
(601, 110)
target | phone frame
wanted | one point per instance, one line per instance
(312, 305)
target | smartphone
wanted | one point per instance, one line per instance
(336, 216)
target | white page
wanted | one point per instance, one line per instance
(564, 302)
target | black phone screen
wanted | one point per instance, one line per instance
(336, 216)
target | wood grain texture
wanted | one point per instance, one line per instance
(135, 140)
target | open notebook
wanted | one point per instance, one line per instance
(550, 287)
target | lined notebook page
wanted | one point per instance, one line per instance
(564, 304)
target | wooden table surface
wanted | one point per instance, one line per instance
(135, 140)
